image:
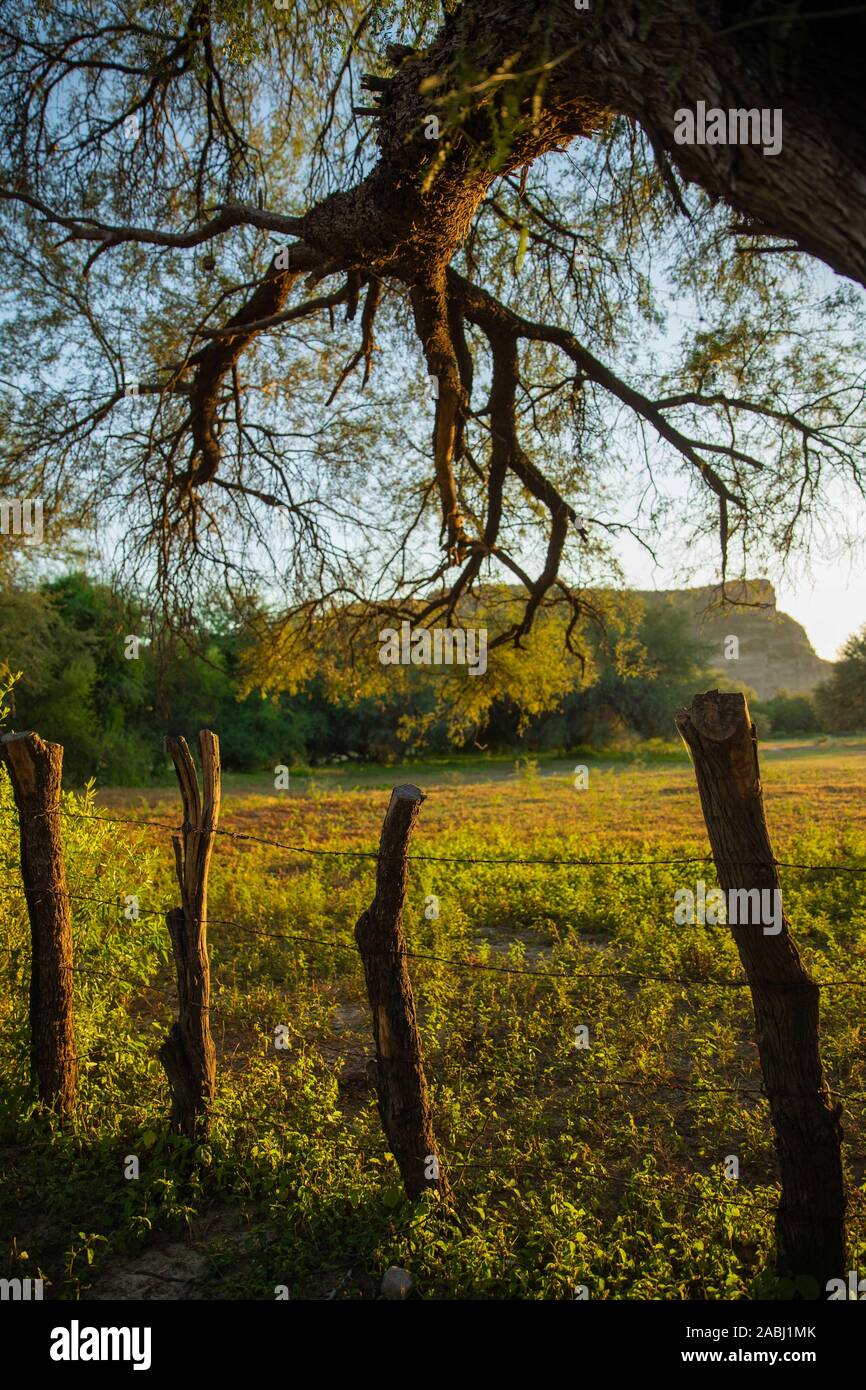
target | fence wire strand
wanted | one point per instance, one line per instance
(576, 863)
(455, 962)
(515, 1085)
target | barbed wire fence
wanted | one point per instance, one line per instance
(395, 955)
(472, 1073)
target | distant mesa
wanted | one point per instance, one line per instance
(774, 651)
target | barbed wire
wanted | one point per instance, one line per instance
(361, 853)
(578, 1081)
(579, 1084)
(436, 1075)
(544, 1168)
(456, 962)
(580, 863)
(585, 1078)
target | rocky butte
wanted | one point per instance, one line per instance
(774, 651)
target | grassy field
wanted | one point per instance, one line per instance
(601, 1167)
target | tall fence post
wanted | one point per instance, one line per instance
(404, 1102)
(810, 1221)
(35, 770)
(188, 1054)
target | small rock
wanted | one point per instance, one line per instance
(397, 1283)
(347, 1019)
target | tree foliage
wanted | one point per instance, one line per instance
(281, 225)
(81, 682)
(841, 701)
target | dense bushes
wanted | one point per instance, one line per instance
(86, 682)
(841, 701)
(786, 715)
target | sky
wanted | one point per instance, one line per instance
(829, 614)
(825, 591)
(827, 595)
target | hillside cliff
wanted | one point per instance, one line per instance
(774, 651)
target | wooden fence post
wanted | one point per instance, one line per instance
(188, 1054)
(810, 1221)
(404, 1102)
(35, 770)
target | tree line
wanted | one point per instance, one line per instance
(110, 700)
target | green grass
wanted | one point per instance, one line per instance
(469, 770)
(601, 1167)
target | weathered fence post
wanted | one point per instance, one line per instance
(404, 1103)
(188, 1054)
(35, 770)
(810, 1221)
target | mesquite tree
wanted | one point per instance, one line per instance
(369, 300)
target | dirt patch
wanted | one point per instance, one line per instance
(177, 1269)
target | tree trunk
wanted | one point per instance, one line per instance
(404, 1103)
(568, 70)
(649, 58)
(35, 769)
(810, 1222)
(188, 1054)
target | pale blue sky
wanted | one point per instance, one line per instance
(828, 597)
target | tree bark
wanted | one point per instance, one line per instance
(188, 1054)
(649, 58)
(404, 1102)
(810, 1222)
(571, 70)
(35, 770)
(508, 82)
